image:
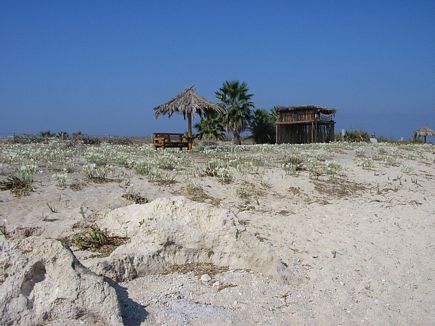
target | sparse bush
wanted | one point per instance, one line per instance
(219, 169)
(390, 161)
(62, 135)
(135, 197)
(97, 158)
(196, 193)
(26, 173)
(26, 139)
(17, 186)
(118, 140)
(60, 178)
(86, 139)
(168, 161)
(360, 152)
(46, 134)
(162, 179)
(352, 136)
(248, 190)
(332, 168)
(3, 230)
(143, 168)
(292, 165)
(92, 238)
(97, 173)
(366, 163)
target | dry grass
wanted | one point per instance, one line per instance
(197, 193)
(77, 185)
(135, 197)
(94, 239)
(338, 188)
(198, 269)
(17, 186)
(247, 190)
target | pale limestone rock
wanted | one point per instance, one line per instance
(177, 231)
(42, 282)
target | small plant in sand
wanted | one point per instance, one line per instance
(168, 161)
(218, 169)
(94, 239)
(26, 173)
(366, 163)
(293, 165)
(91, 238)
(21, 183)
(96, 158)
(161, 178)
(17, 186)
(153, 174)
(143, 168)
(60, 178)
(3, 229)
(196, 193)
(77, 185)
(390, 161)
(405, 168)
(360, 152)
(70, 166)
(247, 190)
(135, 197)
(332, 168)
(97, 173)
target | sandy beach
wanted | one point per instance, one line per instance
(320, 234)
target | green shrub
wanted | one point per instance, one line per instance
(353, 136)
(293, 164)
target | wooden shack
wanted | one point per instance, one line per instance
(304, 124)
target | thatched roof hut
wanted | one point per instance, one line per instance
(423, 132)
(187, 103)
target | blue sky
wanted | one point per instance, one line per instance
(101, 66)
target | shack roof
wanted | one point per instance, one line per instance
(306, 108)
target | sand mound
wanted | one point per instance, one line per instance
(177, 231)
(41, 282)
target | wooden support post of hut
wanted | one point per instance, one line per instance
(305, 124)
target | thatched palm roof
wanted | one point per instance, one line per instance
(425, 131)
(187, 102)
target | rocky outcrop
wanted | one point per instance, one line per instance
(177, 231)
(42, 282)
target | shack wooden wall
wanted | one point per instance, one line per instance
(301, 115)
(305, 133)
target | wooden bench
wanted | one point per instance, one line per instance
(165, 139)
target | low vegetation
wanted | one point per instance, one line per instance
(93, 238)
(74, 166)
(135, 197)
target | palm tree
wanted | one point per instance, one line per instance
(263, 126)
(234, 97)
(210, 127)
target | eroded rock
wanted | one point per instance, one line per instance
(177, 231)
(41, 282)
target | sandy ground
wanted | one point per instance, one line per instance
(360, 244)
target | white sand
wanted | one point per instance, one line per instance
(360, 253)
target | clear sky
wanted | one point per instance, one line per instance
(101, 66)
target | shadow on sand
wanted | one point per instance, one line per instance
(133, 313)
